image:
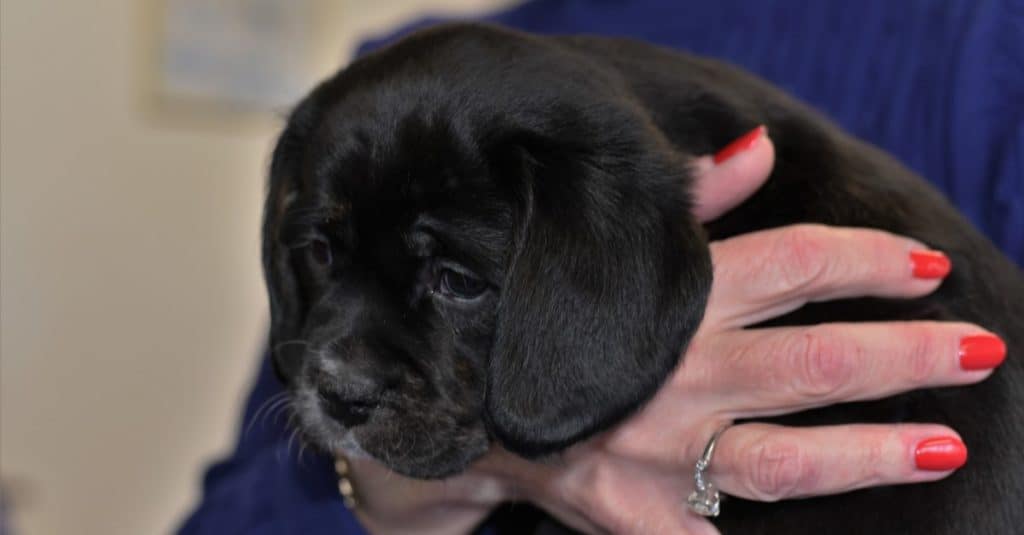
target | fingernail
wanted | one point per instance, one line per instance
(940, 454)
(930, 264)
(981, 352)
(743, 143)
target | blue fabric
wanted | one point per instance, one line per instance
(940, 84)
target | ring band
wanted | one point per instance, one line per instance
(706, 500)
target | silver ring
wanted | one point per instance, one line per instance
(706, 500)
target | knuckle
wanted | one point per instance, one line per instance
(780, 469)
(801, 256)
(873, 459)
(875, 465)
(822, 362)
(697, 367)
(921, 361)
(882, 256)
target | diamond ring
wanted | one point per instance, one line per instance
(706, 500)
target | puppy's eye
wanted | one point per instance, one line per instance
(320, 252)
(460, 285)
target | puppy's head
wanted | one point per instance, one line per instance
(473, 236)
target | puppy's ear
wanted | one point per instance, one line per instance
(607, 284)
(287, 309)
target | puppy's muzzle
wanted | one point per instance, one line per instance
(348, 382)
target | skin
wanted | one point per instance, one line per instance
(635, 478)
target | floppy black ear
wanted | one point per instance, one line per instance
(607, 284)
(287, 309)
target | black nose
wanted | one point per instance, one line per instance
(347, 398)
(348, 411)
(352, 382)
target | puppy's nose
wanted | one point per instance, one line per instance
(351, 382)
(348, 399)
(347, 410)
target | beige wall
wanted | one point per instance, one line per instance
(131, 304)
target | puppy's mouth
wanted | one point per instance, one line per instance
(402, 422)
(391, 427)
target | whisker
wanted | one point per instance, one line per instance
(280, 408)
(268, 406)
(291, 438)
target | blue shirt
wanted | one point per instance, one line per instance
(939, 84)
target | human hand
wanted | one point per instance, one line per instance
(635, 479)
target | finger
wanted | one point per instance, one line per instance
(765, 274)
(770, 463)
(741, 169)
(761, 372)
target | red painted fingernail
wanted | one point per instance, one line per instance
(940, 454)
(743, 143)
(930, 264)
(981, 352)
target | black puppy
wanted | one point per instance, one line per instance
(478, 235)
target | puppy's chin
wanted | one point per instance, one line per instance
(423, 446)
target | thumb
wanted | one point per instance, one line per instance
(734, 173)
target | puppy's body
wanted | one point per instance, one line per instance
(553, 172)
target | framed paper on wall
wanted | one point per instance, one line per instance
(230, 55)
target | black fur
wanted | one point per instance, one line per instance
(554, 169)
